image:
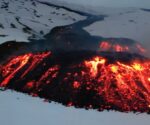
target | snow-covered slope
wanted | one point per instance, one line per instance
(93, 7)
(107, 3)
(23, 19)
(133, 24)
(20, 109)
(20, 20)
(125, 21)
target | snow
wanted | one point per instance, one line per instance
(123, 21)
(96, 6)
(21, 109)
(133, 24)
(126, 21)
(107, 3)
(92, 7)
(38, 17)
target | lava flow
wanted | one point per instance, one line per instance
(119, 47)
(89, 82)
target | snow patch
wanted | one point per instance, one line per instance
(133, 24)
(20, 20)
(23, 109)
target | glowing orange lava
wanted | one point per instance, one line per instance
(94, 64)
(76, 84)
(15, 65)
(116, 47)
(95, 82)
(131, 81)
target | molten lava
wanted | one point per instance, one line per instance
(16, 64)
(116, 47)
(93, 82)
(121, 83)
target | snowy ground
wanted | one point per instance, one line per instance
(21, 19)
(122, 20)
(106, 3)
(133, 24)
(20, 109)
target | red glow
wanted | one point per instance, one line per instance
(76, 84)
(141, 49)
(125, 86)
(70, 104)
(15, 65)
(10, 72)
(107, 46)
(30, 84)
(126, 79)
(53, 71)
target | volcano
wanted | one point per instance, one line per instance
(74, 68)
(84, 79)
